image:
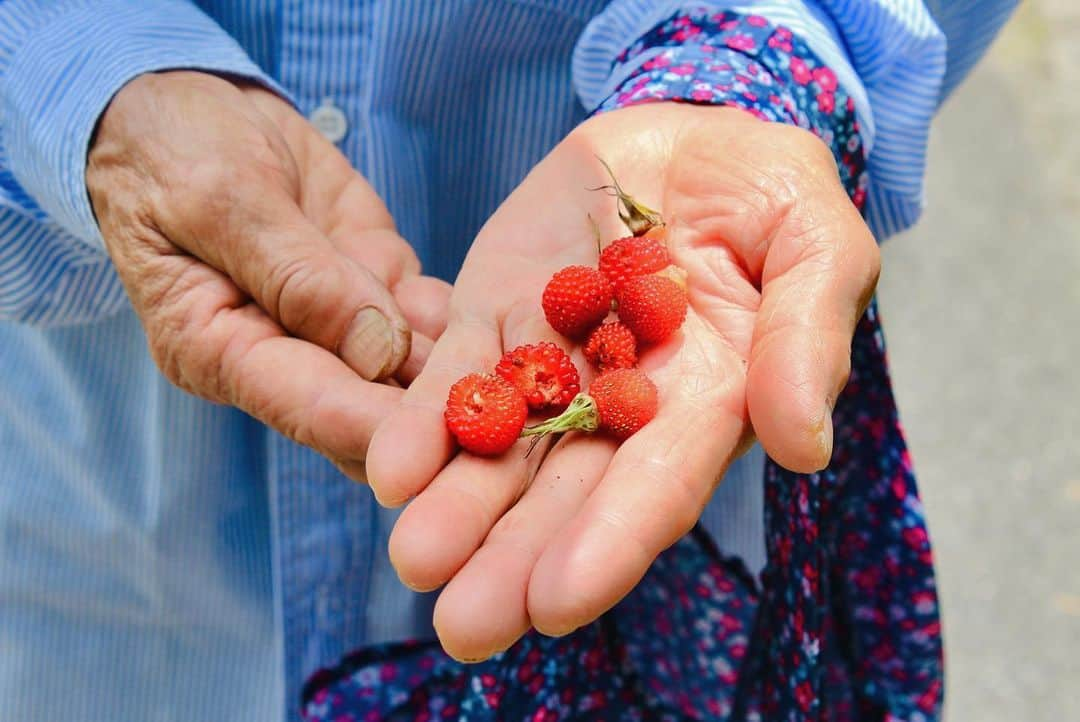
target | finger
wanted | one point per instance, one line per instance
(255, 233)
(337, 199)
(651, 494)
(208, 337)
(819, 275)
(360, 228)
(357, 222)
(453, 514)
(483, 610)
(352, 215)
(425, 301)
(446, 523)
(344, 206)
(413, 444)
(418, 355)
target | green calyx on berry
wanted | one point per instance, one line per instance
(638, 217)
(580, 415)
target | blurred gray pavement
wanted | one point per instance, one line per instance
(981, 305)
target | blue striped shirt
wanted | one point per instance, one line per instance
(162, 558)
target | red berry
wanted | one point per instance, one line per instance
(485, 413)
(611, 346)
(544, 373)
(619, 402)
(625, 400)
(576, 299)
(633, 256)
(653, 307)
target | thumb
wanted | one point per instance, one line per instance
(257, 235)
(819, 275)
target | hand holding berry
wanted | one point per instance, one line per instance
(778, 265)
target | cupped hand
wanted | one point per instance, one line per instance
(780, 267)
(266, 272)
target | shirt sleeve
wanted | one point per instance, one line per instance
(896, 59)
(61, 62)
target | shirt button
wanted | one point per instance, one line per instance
(329, 120)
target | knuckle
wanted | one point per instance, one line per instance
(329, 426)
(514, 530)
(292, 423)
(162, 290)
(213, 184)
(801, 146)
(683, 510)
(243, 388)
(406, 263)
(178, 360)
(789, 161)
(227, 368)
(738, 180)
(294, 288)
(160, 339)
(677, 500)
(200, 194)
(813, 243)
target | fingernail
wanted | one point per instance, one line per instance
(369, 344)
(386, 501)
(558, 631)
(471, 659)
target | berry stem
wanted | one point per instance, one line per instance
(596, 233)
(580, 415)
(639, 218)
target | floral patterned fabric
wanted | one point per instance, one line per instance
(682, 664)
(843, 623)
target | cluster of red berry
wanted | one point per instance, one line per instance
(487, 412)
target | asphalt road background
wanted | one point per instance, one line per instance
(981, 305)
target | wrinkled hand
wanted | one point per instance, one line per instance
(266, 272)
(780, 268)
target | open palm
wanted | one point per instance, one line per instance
(780, 266)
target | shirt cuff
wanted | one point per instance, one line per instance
(626, 21)
(60, 67)
(744, 61)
